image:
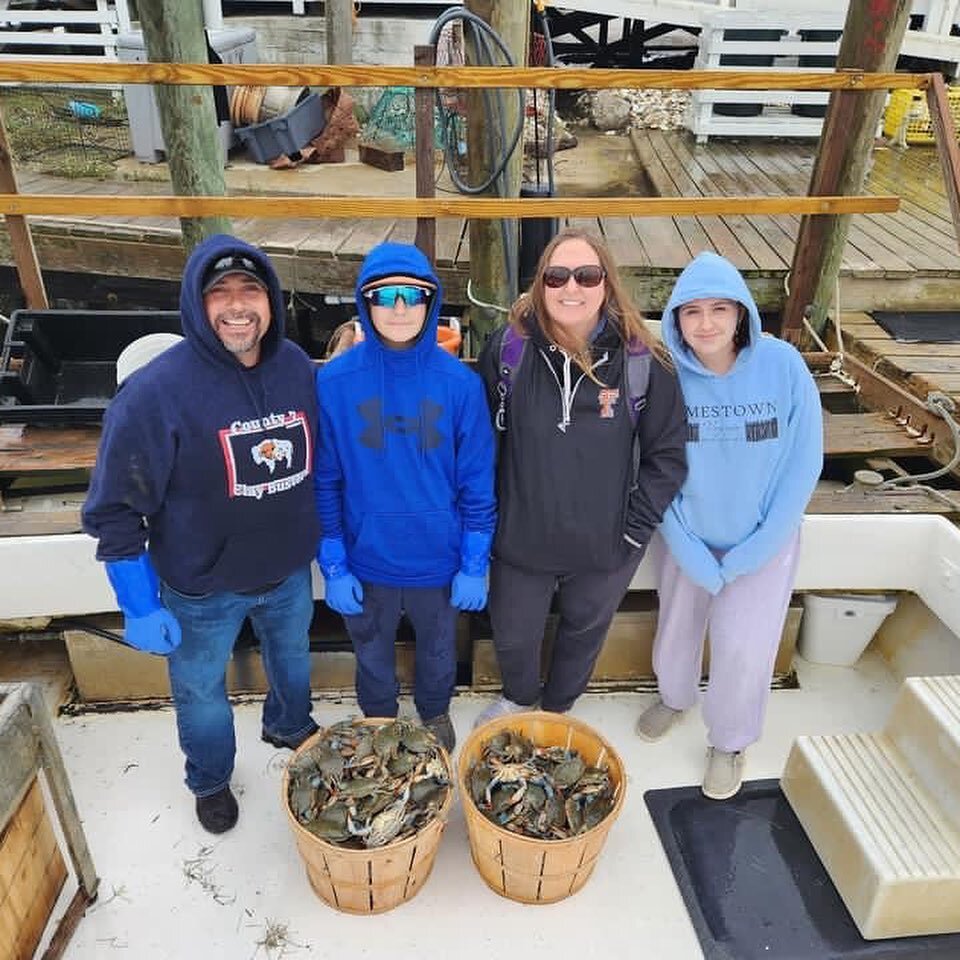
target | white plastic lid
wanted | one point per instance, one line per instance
(142, 351)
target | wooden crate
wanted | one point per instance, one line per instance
(32, 873)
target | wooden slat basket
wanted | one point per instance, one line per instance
(372, 880)
(523, 868)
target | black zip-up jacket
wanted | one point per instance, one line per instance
(574, 476)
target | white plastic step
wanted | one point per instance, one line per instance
(888, 846)
(925, 726)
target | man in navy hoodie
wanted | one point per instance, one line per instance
(201, 502)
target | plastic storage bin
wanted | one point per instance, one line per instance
(60, 366)
(837, 628)
(287, 134)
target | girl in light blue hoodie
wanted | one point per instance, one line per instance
(755, 451)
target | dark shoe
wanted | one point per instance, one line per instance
(218, 812)
(442, 729)
(291, 743)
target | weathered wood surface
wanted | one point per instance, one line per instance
(30, 449)
(542, 78)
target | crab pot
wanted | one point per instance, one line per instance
(523, 868)
(372, 880)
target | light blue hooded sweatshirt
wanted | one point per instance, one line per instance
(754, 446)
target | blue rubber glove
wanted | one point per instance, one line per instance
(468, 593)
(147, 625)
(469, 588)
(343, 592)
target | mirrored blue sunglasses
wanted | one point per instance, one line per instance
(388, 296)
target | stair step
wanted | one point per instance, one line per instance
(925, 726)
(886, 842)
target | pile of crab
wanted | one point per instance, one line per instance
(365, 784)
(548, 793)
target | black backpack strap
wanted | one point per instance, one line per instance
(510, 355)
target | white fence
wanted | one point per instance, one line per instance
(79, 34)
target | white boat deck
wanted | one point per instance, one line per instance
(168, 889)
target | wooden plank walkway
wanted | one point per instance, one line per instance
(908, 258)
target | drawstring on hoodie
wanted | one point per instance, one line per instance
(568, 388)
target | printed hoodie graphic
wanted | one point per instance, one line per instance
(755, 441)
(405, 453)
(207, 459)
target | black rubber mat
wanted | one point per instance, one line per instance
(922, 326)
(754, 886)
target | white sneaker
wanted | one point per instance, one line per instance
(501, 707)
(724, 774)
(655, 722)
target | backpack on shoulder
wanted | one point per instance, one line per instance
(512, 346)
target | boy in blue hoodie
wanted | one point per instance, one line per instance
(404, 487)
(202, 506)
(755, 451)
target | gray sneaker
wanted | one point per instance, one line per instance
(655, 722)
(724, 774)
(442, 729)
(501, 707)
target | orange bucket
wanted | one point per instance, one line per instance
(449, 339)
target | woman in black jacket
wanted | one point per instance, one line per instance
(592, 438)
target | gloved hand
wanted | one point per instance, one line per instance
(343, 591)
(469, 588)
(468, 592)
(148, 625)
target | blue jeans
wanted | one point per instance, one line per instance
(373, 633)
(198, 667)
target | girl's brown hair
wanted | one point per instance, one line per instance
(619, 309)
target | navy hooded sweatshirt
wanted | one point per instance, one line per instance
(405, 458)
(209, 462)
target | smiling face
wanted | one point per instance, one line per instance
(575, 307)
(238, 309)
(394, 311)
(708, 327)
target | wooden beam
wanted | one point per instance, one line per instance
(426, 239)
(872, 37)
(945, 134)
(339, 20)
(174, 31)
(543, 78)
(495, 243)
(21, 242)
(281, 207)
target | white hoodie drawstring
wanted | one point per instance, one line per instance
(568, 390)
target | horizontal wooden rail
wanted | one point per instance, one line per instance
(262, 74)
(482, 208)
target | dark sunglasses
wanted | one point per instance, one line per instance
(389, 295)
(588, 276)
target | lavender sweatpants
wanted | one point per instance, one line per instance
(746, 621)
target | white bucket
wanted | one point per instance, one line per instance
(142, 351)
(836, 628)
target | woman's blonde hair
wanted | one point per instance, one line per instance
(531, 306)
(341, 340)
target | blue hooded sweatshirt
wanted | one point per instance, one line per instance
(405, 455)
(207, 459)
(755, 441)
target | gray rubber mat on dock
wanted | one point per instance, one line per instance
(920, 326)
(754, 886)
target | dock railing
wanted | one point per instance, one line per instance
(16, 206)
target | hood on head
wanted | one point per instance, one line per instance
(193, 315)
(394, 260)
(708, 275)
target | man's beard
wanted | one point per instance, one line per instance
(241, 346)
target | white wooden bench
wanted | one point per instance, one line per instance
(60, 30)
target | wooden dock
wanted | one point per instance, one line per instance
(907, 259)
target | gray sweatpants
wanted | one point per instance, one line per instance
(519, 602)
(746, 622)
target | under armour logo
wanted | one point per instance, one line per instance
(376, 424)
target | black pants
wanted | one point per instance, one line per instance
(519, 603)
